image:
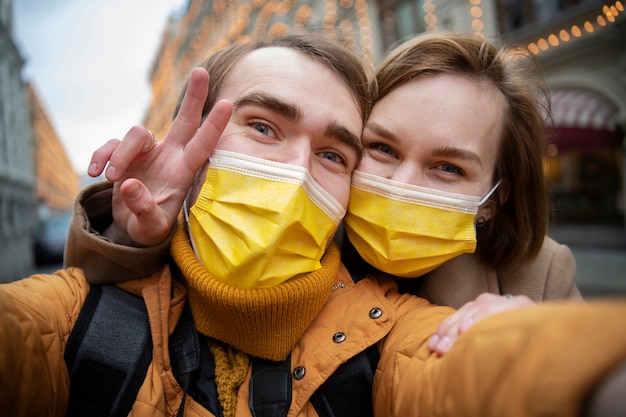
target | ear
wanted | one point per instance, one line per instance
(503, 191)
(488, 209)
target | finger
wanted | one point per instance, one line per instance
(202, 145)
(136, 141)
(448, 329)
(189, 115)
(101, 156)
(147, 147)
(465, 325)
(450, 325)
(150, 227)
(442, 336)
(442, 343)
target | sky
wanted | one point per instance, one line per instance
(89, 61)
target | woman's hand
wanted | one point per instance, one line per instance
(151, 178)
(485, 305)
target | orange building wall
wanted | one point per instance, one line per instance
(57, 181)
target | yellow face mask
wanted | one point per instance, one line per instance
(258, 223)
(407, 230)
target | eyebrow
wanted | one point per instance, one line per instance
(458, 153)
(449, 151)
(294, 114)
(287, 110)
(381, 131)
(342, 134)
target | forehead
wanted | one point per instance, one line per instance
(270, 67)
(281, 71)
(444, 110)
(290, 75)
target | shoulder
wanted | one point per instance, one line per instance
(550, 275)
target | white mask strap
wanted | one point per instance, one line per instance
(485, 198)
(185, 211)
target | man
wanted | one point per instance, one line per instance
(298, 103)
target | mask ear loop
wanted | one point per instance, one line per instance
(189, 233)
(486, 197)
(185, 211)
(480, 222)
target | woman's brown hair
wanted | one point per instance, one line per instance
(516, 230)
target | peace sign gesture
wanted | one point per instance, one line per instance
(151, 178)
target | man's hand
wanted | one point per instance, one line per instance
(151, 178)
(485, 305)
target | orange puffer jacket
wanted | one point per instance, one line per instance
(38, 313)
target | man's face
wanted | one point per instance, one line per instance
(292, 109)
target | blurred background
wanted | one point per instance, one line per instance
(581, 45)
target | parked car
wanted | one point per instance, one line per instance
(50, 238)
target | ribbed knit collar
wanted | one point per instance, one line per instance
(263, 322)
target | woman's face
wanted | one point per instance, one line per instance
(439, 131)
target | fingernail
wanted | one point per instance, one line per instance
(92, 168)
(111, 171)
(444, 344)
(133, 191)
(432, 343)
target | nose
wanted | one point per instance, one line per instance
(296, 152)
(408, 173)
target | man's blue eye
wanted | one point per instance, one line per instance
(333, 156)
(262, 128)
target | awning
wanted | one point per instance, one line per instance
(583, 109)
(566, 138)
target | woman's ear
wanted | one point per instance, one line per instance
(487, 210)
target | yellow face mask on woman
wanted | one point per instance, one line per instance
(407, 230)
(258, 223)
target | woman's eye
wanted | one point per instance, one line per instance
(383, 148)
(452, 169)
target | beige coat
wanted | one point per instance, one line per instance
(550, 276)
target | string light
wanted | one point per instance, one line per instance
(477, 13)
(430, 18)
(607, 15)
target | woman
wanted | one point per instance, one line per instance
(463, 121)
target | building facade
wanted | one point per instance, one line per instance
(581, 46)
(37, 179)
(57, 182)
(17, 176)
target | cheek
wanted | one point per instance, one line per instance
(336, 185)
(228, 142)
(371, 165)
(198, 181)
(366, 164)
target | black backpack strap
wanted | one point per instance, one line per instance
(348, 391)
(108, 353)
(270, 388)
